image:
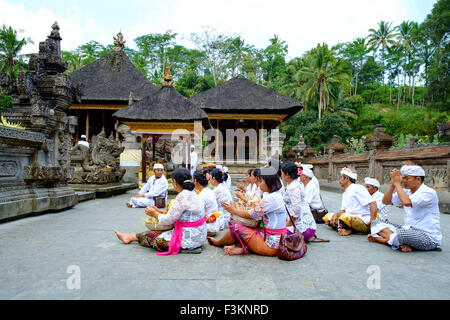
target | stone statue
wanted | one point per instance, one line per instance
(98, 164)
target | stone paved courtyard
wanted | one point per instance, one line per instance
(36, 252)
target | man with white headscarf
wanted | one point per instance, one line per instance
(358, 209)
(421, 227)
(372, 185)
(83, 141)
(156, 186)
(193, 160)
(312, 191)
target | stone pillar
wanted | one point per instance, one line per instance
(333, 149)
(376, 143)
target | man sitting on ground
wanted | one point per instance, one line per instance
(358, 208)
(372, 185)
(312, 191)
(421, 227)
(155, 186)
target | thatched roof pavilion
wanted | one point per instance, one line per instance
(241, 103)
(107, 84)
(162, 113)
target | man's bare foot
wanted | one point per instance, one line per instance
(125, 238)
(405, 248)
(377, 239)
(344, 232)
(129, 205)
(233, 251)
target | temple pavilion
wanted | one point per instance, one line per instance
(162, 115)
(106, 85)
(241, 104)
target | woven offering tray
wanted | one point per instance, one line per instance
(252, 223)
(155, 226)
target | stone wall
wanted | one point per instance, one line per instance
(380, 160)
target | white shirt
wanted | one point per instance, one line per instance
(294, 198)
(316, 182)
(193, 159)
(424, 213)
(355, 200)
(228, 182)
(84, 143)
(251, 189)
(155, 187)
(207, 195)
(257, 195)
(312, 195)
(383, 209)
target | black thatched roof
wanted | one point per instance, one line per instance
(111, 78)
(164, 105)
(241, 95)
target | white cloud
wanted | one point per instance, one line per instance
(37, 24)
(301, 23)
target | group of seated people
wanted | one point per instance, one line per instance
(204, 206)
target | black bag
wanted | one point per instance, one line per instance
(318, 214)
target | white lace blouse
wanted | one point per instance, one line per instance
(187, 207)
(295, 201)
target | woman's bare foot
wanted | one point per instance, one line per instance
(405, 248)
(377, 239)
(124, 237)
(213, 241)
(344, 232)
(233, 251)
(129, 205)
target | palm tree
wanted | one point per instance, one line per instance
(323, 76)
(384, 37)
(10, 46)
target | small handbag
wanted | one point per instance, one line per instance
(160, 201)
(292, 246)
(318, 214)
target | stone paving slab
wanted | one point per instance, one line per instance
(36, 252)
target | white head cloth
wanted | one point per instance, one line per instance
(349, 173)
(83, 136)
(225, 169)
(372, 181)
(307, 172)
(158, 166)
(309, 166)
(192, 146)
(415, 171)
(218, 166)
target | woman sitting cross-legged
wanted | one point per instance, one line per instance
(187, 213)
(262, 241)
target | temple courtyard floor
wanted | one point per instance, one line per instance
(74, 254)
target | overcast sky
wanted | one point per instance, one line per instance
(302, 24)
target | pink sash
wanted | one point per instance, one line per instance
(175, 241)
(274, 232)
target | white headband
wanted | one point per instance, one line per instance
(158, 166)
(307, 172)
(415, 171)
(347, 172)
(372, 181)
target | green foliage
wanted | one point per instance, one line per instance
(11, 61)
(316, 134)
(5, 101)
(356, 145)
(414, 120)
